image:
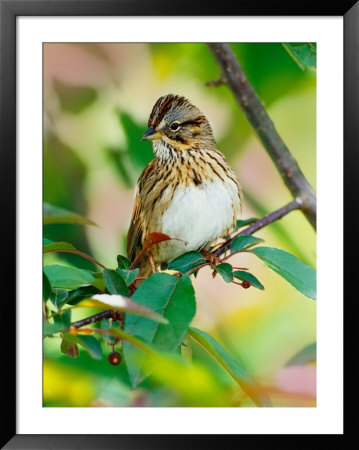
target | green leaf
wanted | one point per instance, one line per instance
(187, 262)
(59, 297)
(123, 263)
(242, 223)
(298, 274)
(226, 271)
(115, 283)
(122, 303)
(99, 283)
(247, 382)
(244, 241)
(74, 99)
(246, 276)
(46, 287)
(172, 297)
(306, 355)
(63, 319)
(51, 246)
(66, 247)
(81, 293)
(304, 54)
(69, 348)
(54, 214)
(277, 227)
(65, 277)
(51, 328)
(89, 343)
(128, 275)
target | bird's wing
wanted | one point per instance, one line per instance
(134, 235)
(136, 230)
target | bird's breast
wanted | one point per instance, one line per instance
(198, 215)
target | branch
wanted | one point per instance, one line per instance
(217, 82)
(255, 226)
(258, 117)
(108, 313)
(261, 223)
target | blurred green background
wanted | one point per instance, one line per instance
(97, 99)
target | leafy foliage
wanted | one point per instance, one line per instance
(230, 365)
(242, 223)
(246, 276)
(187, 262)
(243, 242)
(123, 304)
(51, 246)
(226, 271)
(159, 311)
(305, 55)
(298, 274)
(171, 296)
(115, 283)
(54, 214)
(66, 277)
(89, 343)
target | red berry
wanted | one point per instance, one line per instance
(114, 358)
(246, 284)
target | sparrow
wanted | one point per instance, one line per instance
(188, 191)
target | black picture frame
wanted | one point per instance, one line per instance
(9, 11)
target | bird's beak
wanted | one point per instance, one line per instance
(151, 135)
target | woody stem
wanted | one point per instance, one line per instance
(261, 223)
(287, 166)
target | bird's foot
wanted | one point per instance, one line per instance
(213, 259)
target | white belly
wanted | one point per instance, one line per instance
(198, 215)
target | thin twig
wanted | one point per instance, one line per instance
(95, 318)
(198, 267)
(218, 82)
(258, 117)
(76, 252)
(261, 223)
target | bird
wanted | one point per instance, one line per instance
(188, 191)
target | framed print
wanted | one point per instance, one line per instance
(173, 200)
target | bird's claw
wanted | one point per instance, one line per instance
(213, 259)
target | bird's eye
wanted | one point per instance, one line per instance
(174, 126)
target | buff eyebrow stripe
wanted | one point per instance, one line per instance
(196, 122)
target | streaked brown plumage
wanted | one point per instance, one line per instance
(188, 191)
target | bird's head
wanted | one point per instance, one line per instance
(176, 123)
